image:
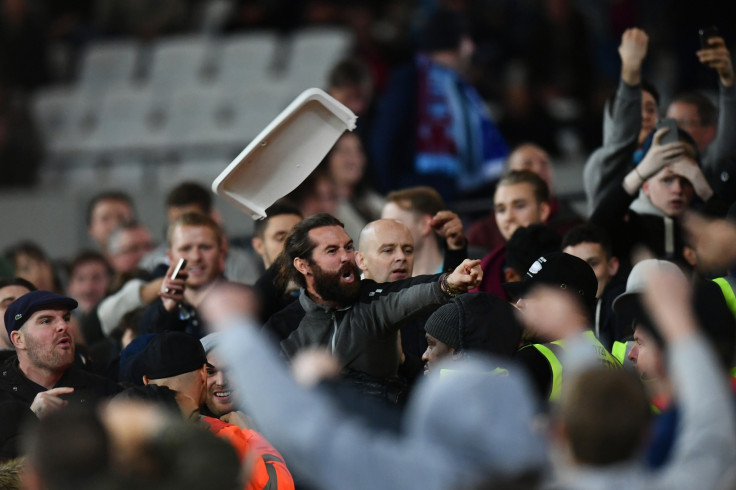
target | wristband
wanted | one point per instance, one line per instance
(445, 286)
(636, 169)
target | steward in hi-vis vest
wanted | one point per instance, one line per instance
(553, 352)
(544, 361)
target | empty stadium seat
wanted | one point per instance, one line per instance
(67, 119)
(178, 63)
(129, 122)
(247, 60)
(313, 53)
(107, 66)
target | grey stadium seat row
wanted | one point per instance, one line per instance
(181, 96)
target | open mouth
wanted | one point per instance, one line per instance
(222, 395)
(348, 276)
(66, 341)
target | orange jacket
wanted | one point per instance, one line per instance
(268, 471)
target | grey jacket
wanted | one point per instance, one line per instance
(458, 428)
(608, 165)
(363, 336)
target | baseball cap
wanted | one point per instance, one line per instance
(562, 270)
(211, 341)
(711, 311)
(627, 302)
(22, 308)
(171, 354)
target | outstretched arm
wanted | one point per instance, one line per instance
(719, 157)
(706, 445)
(632, 50)
(622, 122)
(314, 436)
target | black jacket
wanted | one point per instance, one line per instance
(88, 387)
(17, 393)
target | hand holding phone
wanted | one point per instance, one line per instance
(179, 266)
(705, 34)
(172, 287)
(670, 136)
(714, 54)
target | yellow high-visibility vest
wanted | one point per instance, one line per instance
(552, 351)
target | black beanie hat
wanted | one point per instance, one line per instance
(444, 325)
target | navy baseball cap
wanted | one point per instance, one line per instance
(22, 308)
(171, 354)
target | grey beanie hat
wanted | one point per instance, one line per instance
(444, 325)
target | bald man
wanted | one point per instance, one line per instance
(562, 217)
(386, 254)
(385, 251)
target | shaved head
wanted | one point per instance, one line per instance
(386, 251)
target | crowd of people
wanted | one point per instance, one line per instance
(370, 336)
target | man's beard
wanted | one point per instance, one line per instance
(48, 358)
(329, 287)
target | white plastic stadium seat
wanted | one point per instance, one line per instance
(314, 52)
(108, 66)
(246, 60)
(50, 109)
(178, 63)
(66, 119)
(129, 122)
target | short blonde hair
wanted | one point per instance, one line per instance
(198, 220)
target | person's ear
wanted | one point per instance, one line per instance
(425, 225)
(257, 244)
(645, 187)
(544, 211)
(710, 132)
(613, 265)
(360, 260)
(688, 253)
(302, 266)
(224, 245)
(146, 380)
(16, 338)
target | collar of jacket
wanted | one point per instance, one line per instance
(310, 305)
(642, 205)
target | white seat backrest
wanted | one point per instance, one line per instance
(177, 63)
(108, 66)
(246, 60)
(314, 52)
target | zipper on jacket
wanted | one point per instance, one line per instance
(334, 332)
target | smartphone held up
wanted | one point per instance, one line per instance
(705, 34)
